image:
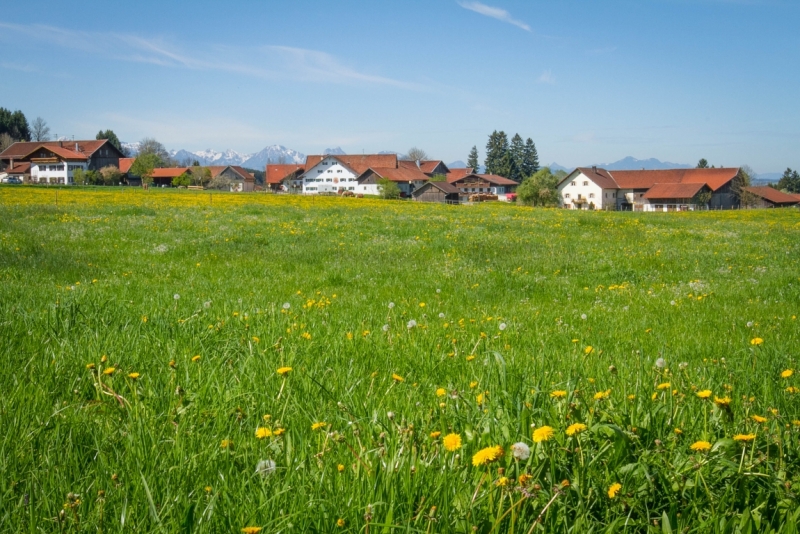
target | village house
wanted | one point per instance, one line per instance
(489, 184)
(360, 174)
(437, 192)
(162, 177)
(55, 161)
(241, 180)
(284, 177)
(768, 197)
(659, 190)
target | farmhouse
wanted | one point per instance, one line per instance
(768, 197)
(359, 174)
(284, 177)
(55, 161)
(491, 184)
(240, 180)
(163, 177)
(661, 190)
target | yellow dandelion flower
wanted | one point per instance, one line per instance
(470, 357)
(225, 443)
(678, 431)
(543, 433)
(700, 446)
(196, 358)
(340, 522)
(441, 392)
(305, 335)
(704, 394)
(317, 426)
(576, 428)
(631, 397)
(588, 350)
(480, 398)
(473, 385)
(501, 482)
(665, 385)
(251, 530)
(283, 371)
(613, 490)
(435, 434)
(756, 341)
(723, 402)
(90, 366)
(787, 373)
(421, 304)
(397, 378)
(279, 431)
(452, 442)
(744, 437)
(758, 418)
(340, 468)
(524, 479)
(133, 376)
(349, 336)
(487, 455)
(109, 370)
(558, 394)
(600, 395)
(263, 432)
(792, 389)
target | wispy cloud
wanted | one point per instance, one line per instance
(267, 62)
(495, 13)
(547, 77)
(17, 66)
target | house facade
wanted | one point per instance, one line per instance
(489, 184)
(54, 165)
(241, 180)
(659, 190)
(768, 197)
(286, 178)
(95, 154)
(437, 192)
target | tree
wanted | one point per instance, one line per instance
(15, 125)
(148, 145)
(540, 189)
(200, 175)
(40, 131)
(702, 164)
(790, 181)
(5, 141)
(79, 177)
(183, 180)
(742, 180)
(143, 166)
(110, 174)
(222, 182)
(703, 197)
(416, 154)
(517, 153)
(498, 158)
(472, 159)
(112, 138)
(388, 189)
(530, 160)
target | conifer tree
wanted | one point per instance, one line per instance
(498, 160)
(530, 165)
(517, 153)
(472, 159)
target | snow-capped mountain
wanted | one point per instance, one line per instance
(335, 151)
(211, 157)
(273, 154)
(131, 148)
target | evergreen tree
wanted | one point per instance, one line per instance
(14, 124)
(517, 152)
(472, 159)
(498, 160)
(530, 160)
(112, 138)
(790, 181)
(702, 164)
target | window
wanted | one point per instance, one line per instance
(338, 170)
(566, 196)
(324, 162)
(591, 195)
(328, 179)
(585, 183)
(351, 188)
(330, 170)
(319, 171)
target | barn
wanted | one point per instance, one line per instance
(436, 192)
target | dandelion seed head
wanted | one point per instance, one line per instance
(265, 468)
(391, 305)
(441, 316)
(386, 328)
(286, 305)
(672, 303)
(502, 326)
(207, 304)
(411, 324)
(583, 316)
(521, 451)
(176, 296)
(661, 363)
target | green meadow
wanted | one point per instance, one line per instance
(181, 362)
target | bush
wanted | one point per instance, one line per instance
(388, 189)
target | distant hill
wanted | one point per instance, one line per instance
(458, 164)
(633, 164)
(335, 151)
(555, 167)
(273, 154)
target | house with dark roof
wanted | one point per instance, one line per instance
(488, 184)
(59, 159)
(240, 180)
(657, 190)
(768, 197)
(437, 192)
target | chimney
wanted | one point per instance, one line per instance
(594, 168)
(76, 147)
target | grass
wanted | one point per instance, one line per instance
(206, 297)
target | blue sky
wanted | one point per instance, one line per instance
(590, 81)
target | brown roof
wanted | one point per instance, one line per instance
(715, 178)
(795, 195)
(491, 178)
(357, 163)
(457, 174)
(442, 186)
(244, 173)
(125, 164)
(660, 191)
(170, 172)
(277, 173)
(599, 176)
(24, 148)
(62, 153)
(22, 168)
(216, 170)
(429, 166)
(773, 195)
(401, 174)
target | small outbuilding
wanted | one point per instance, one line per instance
(768, 197)
(436, 192)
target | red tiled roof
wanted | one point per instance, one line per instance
(24, 148)
(402, 174)
(715, 178)
(795, 195)
(357, 163)
(599, 176)
(661, 191)
(429, 166)
(22, 168)
(125, 164)
(773, 195)
(457, 174)
(491, 178)
(275, 174)
(62, 153)
(170, 172)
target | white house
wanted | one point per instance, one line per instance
(588, 188)
(359, 174)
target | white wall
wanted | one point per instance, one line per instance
(590, 191)
(329, 176)
(43, 174)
